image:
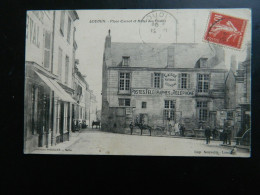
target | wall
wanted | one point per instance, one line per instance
(60, 41)
(37, 22)
(185, 107)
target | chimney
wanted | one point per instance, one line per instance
(233, 62)
(170, 56)
(108, 40)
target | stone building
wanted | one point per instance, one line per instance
(48, 77)
(81, 87)
(238, 95)
(158, 84)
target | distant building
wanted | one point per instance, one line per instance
(238, 95)
(80, 110)
(158, 84)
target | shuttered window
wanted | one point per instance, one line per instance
(202, 110)
(203, 83)
(62, 16)
(124, 102)
(69, 30)
(47, 49)
(124, 82)
(184, 81)
(67, 70)
(60, 63)
(168, 112)
(157, 80)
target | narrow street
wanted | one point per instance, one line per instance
(93, 141)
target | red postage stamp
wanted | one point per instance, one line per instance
(225, 30)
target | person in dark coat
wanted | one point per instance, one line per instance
(229, 135)
(182, 129)
(225, 136)
(207, 134)
(214, 133)
(131, 127)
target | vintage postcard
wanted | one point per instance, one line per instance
(172, 82)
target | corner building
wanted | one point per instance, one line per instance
(160, 84)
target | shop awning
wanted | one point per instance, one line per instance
(60, 92)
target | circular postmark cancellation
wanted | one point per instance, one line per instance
(158, 26)
(225, 30)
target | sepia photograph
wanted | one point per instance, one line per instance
(143, 82)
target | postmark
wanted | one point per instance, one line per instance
(158, 26)
(225, 30)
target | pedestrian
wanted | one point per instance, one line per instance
(182, 129)
(214, 133)
(229, 135)
(131, 127)
(207, 134)
(176, 129)
(225, 136)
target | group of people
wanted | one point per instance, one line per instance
(177, 129)
(225, 136)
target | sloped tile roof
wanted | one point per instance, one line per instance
(155, 55)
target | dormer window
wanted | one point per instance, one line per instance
(203, 62)
(125, 61)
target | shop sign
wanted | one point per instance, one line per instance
(170, 80)
(166, 92)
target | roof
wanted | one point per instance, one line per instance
(155, 55)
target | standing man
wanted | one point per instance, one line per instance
(229, 135)
(207, 134)
(131, 127)
(182, 130)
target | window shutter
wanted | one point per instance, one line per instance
(47, 49)
(179, 80)
(209, 81)
(152, 80)
(197, 86)
(188, 81)
(161, 80)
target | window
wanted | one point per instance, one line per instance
(67, 70)
(203, 83)
(202, 108)
(69, 29)
(124, 82)
(157, 80)
(203, 62)
(47, 49)
(125, 61)
(143, 104)
(184, 81)
(60, 63)
(62, 16)
(124, 102)
(168, 112)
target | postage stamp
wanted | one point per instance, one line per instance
(225, 30)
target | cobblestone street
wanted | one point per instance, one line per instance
(95, 142)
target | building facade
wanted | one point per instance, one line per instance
(238, 95)
(81, 87)
(48, 77)
(161, 84)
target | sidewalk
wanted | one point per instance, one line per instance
(73, 138)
